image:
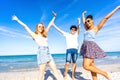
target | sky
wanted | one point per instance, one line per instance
(14, 40)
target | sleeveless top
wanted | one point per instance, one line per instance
(41, 41)
(89, 35)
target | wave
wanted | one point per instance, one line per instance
(112, 57)
(8, 63)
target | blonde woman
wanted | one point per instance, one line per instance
(43, 56)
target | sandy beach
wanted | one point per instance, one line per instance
(81, 74)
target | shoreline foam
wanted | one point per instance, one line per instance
(81, 74)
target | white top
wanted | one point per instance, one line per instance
(89, 35)
(71, 40)
(41, 41)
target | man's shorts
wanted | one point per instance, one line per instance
(71, 54)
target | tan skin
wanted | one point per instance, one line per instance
(88, 63)
(40, 29)
(72, 31)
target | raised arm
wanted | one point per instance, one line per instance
(62, 32)
(32, 34)
(99, 26)
(83, 17)
(51, 22)
(78, 25)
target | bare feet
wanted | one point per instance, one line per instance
(73, 78)
(108, 76)
(65, 78)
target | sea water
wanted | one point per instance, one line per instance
(29, 62)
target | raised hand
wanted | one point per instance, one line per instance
(51, 22)
(14, 18)
(84, 12)
(54, 13)
(83, 16)
(78, 20)
(118, 7)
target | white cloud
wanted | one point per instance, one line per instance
(71, 4)
(7, 32)
(43, 17)
(108, 8)
(108, 37)
(110, 44)
(62, 18)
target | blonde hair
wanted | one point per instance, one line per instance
(43, 33)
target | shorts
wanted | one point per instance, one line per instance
(71, 54)
(43, 55)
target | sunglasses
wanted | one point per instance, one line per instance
(87, 21)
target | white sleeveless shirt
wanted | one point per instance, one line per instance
(41, 41)
(89, 35)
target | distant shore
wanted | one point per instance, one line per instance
(81, 74)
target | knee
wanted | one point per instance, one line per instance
(67, 64)
(86, 67)
(73, 64)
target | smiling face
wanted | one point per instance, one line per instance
(88, 23)
(40, 28)
(73, 29)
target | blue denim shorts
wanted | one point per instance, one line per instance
(71, 54)
(43, 55)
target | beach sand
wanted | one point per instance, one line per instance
(81, 74)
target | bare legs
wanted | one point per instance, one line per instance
(41, 71)
(73, 70)
(66, 70)
(53, 67)
(88, 64)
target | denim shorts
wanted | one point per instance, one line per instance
(43, 55)
(71, 54)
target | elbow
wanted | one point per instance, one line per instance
(106, 18)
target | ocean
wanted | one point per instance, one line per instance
(29, 62)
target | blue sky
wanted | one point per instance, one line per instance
(15, 40)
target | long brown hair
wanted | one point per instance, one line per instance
(43, 33)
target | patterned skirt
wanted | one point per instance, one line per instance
(43, 55)
(90, 49)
